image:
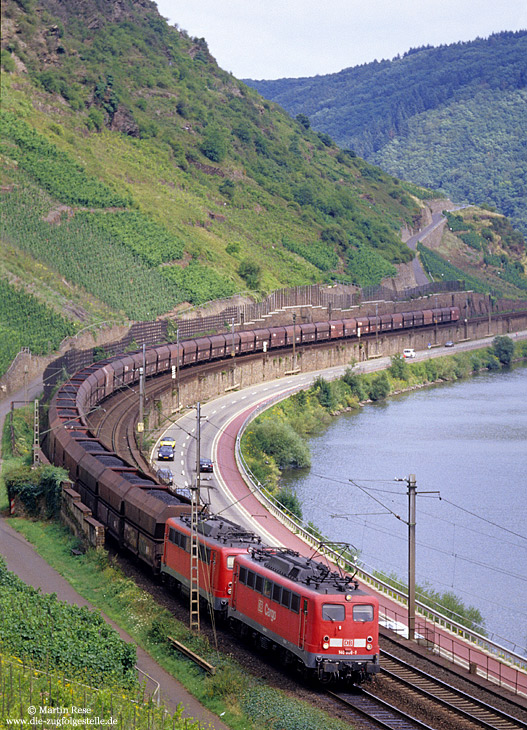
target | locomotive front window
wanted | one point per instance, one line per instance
(363, 612)
(333, 612)
(230, 562)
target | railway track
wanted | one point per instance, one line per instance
(511, 703)
(376, 712)
(459, 705)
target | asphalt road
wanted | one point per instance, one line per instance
(218, 415)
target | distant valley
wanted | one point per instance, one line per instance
(451, 118)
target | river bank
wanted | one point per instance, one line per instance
(276, 440)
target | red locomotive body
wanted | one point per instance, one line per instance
(317, 618)
(220, 541)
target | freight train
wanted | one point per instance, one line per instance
(134, 507)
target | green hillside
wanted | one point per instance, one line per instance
(144, 175)
(452, 118)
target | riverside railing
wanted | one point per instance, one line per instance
(485, 654)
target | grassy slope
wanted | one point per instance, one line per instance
(172, 99)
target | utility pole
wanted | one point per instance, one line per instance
(412, 489)
(233, 355)
(294, 341)
(376, 328)
(194, 542)
(141, 424)
(177, 369)
(36, 436)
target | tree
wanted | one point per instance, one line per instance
(399, 368)
(503, 348)
(214, 145)
(379, 387)
(251, 272)
(303, 120)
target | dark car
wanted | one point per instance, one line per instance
(165, 476)
(206, 465)
(165, 453)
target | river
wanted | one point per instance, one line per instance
(465, 440)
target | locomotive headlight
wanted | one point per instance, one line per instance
(326, 638)
(369, 647)
(348, 597)
(229, 591)
(370, 639)
(325, 645)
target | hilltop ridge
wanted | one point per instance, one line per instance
(450, 117)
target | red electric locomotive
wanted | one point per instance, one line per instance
(219, 542)
(315, 618)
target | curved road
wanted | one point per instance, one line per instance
(221, 420)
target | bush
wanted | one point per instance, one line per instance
(34, 486)
(379, 387)
(214, 145)
(355, 384)
(399, 368)
(503, 349)
(290, 501)
(279, 440)
(325, 394)
(250, 271)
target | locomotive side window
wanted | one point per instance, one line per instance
(277, 592)
(243, 574)
(204, 554)
(295, 602)
(268, 587)
(177, 538)
(286, 598)
(258, 584)
(333, 612)
(363, 613)
(250, 578)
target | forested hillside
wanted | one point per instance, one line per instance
(452, 118)
(147, 176)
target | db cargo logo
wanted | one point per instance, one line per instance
(266, 610)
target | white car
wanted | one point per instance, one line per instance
(408, 352)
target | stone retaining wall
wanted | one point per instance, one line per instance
(78, 518)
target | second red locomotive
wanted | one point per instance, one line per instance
(317, 619)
